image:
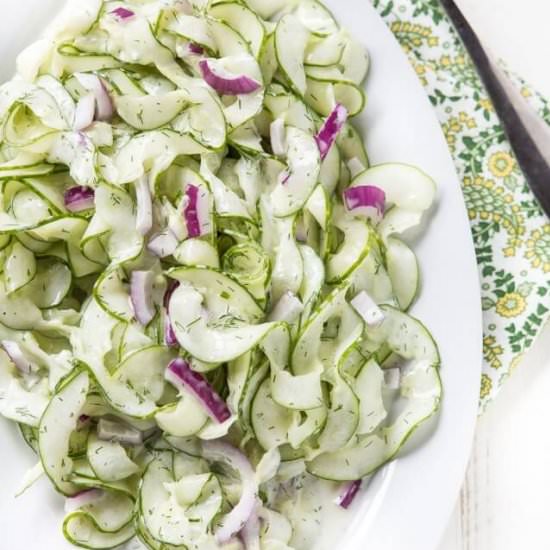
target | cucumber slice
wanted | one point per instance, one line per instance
(405, 186)
(326, 51)
(248, 264)
(228, 41)
(331, 169)
(316, 18)
(223, 296)
(351, 145)
(58, 422)
(325, 88)
(302, 429)
(354, 62)
(215, 336)
(242, 20)
(368, 387)
(51, 284)
(304, 163)
(343, 415)
(266, 9)
(314, 277)
(420, 395)
(184, 419)
(318, 348)
(111, 293)
(291, 38)
(20, 267)
(288, 268)
(164, 518)
(319, 206)
(403, 270)
(270, 422)
(109, 460)
(149, 112)
(81, 530)
(358, 242)
(192, 28)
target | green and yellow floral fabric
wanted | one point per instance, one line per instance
(511, 234)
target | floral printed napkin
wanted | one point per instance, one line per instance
(511, 234)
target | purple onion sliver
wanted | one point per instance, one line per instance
(285, 178)
(365, 196)
(331, 128)
(170, 339)
(123, 13)
(199, 386)
(195, 48)
(84, 113)
(16, 355)
(348, 496)
(141, 296)
(191, 212)
(172, 286)
(79, 198)
(225, 85)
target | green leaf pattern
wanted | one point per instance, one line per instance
(511, 234)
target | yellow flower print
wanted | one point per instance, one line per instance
(526, 92)
(502, 164)
(511, 304)
(538, 248)
(486, 386)
(492, 352)
(485, 104)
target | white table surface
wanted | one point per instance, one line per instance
(504, 504)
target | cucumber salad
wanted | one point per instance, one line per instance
(204, 285)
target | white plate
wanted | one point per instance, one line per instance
(407, 507)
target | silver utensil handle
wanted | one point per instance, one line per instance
(528, 134)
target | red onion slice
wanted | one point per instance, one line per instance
(169, 335)
(14, 352)
(84, 112)
(144, 217)
(172, 286)
(141, 296)
(79, 198)
(104, 108)
(368, 309)
(225, 83)
(196, 212)
(123, 14)
(331, 128)
(170, 339)
(180, 373)
(191, 213)
(195, 48)
(232, 523)
(163, 244)
(82, 499)
(250, 533)
(114, 431)
(346, 499)
(366, 200)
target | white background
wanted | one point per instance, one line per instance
(505, 503)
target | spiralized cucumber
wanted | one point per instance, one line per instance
(204, 281)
